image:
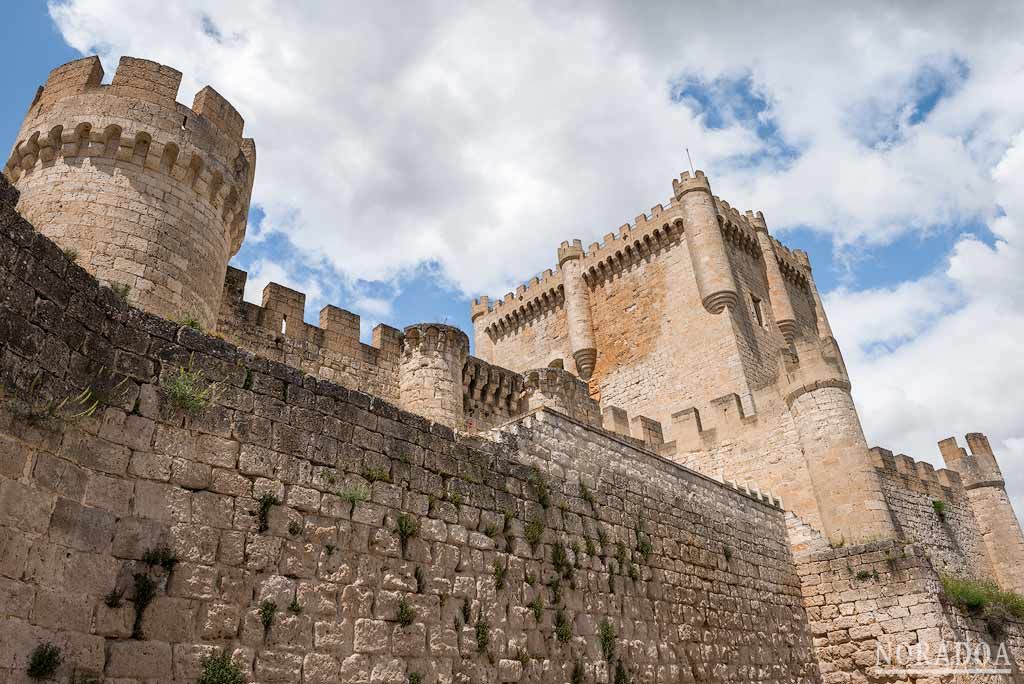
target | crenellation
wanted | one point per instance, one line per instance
(131, 140)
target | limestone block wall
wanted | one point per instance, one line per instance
(505, 559)
(152, 195)
(331, 351)
(562, 391)
(947, 530)
(761, 447)
(887, 595)
(658, 350)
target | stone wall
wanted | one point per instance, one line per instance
(390, 546)
(931, 509)
(887, 595)
(331, 351)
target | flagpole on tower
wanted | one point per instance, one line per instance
(691, 161)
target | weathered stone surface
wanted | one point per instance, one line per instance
(318, 532)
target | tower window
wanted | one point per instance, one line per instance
(284, 324)
(758, 313)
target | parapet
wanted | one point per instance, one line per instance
(977, 468)
(918, 476)
(558, 389)
(687, 183)
(282, 315)
(491, 395)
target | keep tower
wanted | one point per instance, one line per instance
(151, 194)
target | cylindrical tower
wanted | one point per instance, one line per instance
(824, 329)
(986, 491)
(430, 374)
(705, 242)
(478, 310)
(152, 195)
(782, 307)
(577, 308)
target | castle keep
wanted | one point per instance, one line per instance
(650, 470)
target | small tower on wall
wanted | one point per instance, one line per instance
(986, 490)
(152, 195)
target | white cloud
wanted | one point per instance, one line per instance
(479, 137)
(956, 366)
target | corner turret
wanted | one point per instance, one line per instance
(986, 491)
(152, 195)
(430, 375)
(782, 306)
(705, 242)
(577, 307)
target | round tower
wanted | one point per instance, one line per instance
(152, 195)
(430, 374)
(577, 308)
(778, 295)
(705, 243)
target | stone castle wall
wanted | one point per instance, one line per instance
(886, 596)
(931, 508)
(658, 350)
(695, 578)
(331, 351)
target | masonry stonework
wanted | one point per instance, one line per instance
(651, 470)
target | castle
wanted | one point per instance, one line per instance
(652, 470)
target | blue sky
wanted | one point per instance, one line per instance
(411, 160)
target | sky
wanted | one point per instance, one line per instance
(411, 158)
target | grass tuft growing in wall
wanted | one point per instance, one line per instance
(188, 391)
(483, 634)
(533, 531)
(44, 661)
(263, 506)
(606, 633)
(541, 487)
(267, 611)
(940, 509)
(500, 570)
(406, 527)
(405, 615)
(220, 669)
(985, 600)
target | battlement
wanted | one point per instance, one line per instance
(687, 183)
(201, 146)
(531, 299)
(444, 339)
(137, 79)
(919, 476)
(977, 467)
(282, 315)
(491, 394)
(649, 234)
